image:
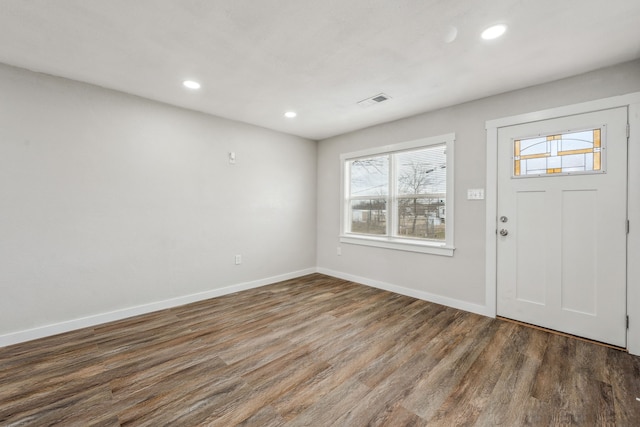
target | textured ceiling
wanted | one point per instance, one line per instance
(257, 59)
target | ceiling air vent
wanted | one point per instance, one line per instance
(376, 99)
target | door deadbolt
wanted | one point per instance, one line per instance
(504, 219)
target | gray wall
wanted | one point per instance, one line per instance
(109, 201)
(457, 280)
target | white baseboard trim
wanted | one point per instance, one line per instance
(98, 319)
(84, 322)
(426, 296)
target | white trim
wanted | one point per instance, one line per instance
(567, 110)
(633, 274)
(633, 238)
(491, 222)
(451, 193)
(84, 322)
(399, 245)
(425, 296)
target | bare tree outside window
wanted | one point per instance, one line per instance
(422, 193)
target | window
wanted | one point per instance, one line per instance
(400, 196)
(561, 154)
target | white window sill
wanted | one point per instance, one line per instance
(425, 247)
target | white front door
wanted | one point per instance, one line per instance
(562, 219)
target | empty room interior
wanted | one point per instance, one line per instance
(287, 213)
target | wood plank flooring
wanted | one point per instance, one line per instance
(316, 351)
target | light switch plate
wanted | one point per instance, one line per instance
(475, 194)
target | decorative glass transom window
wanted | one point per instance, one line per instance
(400, 197)
(560, 154)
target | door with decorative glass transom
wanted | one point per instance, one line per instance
(562, 224)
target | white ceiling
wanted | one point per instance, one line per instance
(257, 59)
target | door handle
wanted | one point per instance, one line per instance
(504, 232)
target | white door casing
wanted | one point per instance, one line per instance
(562, 264)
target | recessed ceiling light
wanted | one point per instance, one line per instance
(290, 114)
(191, 84)
(494, 32)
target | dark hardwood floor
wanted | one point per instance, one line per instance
(316, 351)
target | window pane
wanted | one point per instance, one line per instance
(369, 216)
(369, 177)
(422, 217)
(422, 171)
(395, 196)
(558, 154)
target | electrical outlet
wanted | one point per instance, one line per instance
(238, 259)
(232, 158)
(339, 251)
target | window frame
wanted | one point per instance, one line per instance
(389, 240)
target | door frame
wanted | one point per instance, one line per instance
(632, 101)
